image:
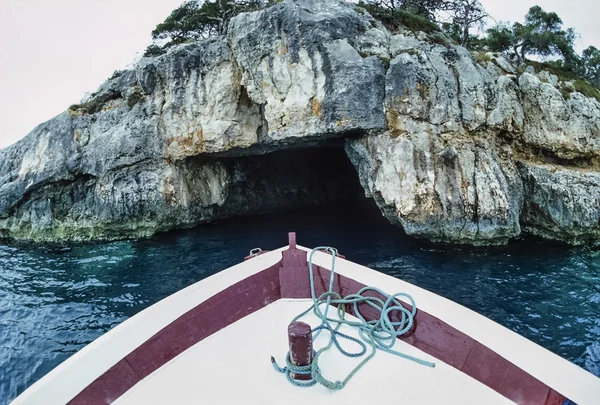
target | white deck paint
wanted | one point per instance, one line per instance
(72, 376)
(563, 376)
(233, 366)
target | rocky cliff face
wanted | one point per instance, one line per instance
(450, 149)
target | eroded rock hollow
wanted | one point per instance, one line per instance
(267, 118)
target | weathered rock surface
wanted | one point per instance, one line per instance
(561, 204)
(456, 191)
(566, 128)
(451, 150)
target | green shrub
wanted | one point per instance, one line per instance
(587, 89)
(386, 62)
(154, 50)
(115, 74)
(396, 19)
(582, 86)
(566, 92)
(96, 104)
(414, 22)
(201, 19)
(554, 68)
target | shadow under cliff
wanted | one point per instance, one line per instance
(289, 180)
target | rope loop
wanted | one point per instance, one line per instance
(394, 321)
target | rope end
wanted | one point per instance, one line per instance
(276, 366)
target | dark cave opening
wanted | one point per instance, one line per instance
(294, 179)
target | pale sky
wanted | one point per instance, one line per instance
(53, 51)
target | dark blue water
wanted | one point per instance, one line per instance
(56, 299)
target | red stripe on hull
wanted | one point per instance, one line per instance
(214, 314)
(290, 279)
(442, 341)
(109, 386)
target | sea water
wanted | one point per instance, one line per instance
(56, 298)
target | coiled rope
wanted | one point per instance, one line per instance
(378, 334)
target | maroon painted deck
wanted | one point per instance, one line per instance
(289, 279)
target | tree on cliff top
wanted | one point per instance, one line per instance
(542, 34)
(424, 8)
(188, 21)
(463, 15)
(591, 65)
(196, 19)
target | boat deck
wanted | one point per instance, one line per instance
(212, 343)
(242, 373)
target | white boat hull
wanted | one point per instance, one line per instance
(212, 342)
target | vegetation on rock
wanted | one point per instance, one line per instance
(543, 36)
(116, 74)
(591, 65)
(95, 104)
(197, 19)
(458, 17)
(393, 19)
(163, 146)
(540, 36)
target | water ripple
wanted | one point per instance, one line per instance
(55, 299)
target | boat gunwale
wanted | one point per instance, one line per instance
(456, 317)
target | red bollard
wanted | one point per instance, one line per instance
(301, 349)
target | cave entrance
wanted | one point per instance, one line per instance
(295, 179)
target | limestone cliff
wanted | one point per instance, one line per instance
(450, 149)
